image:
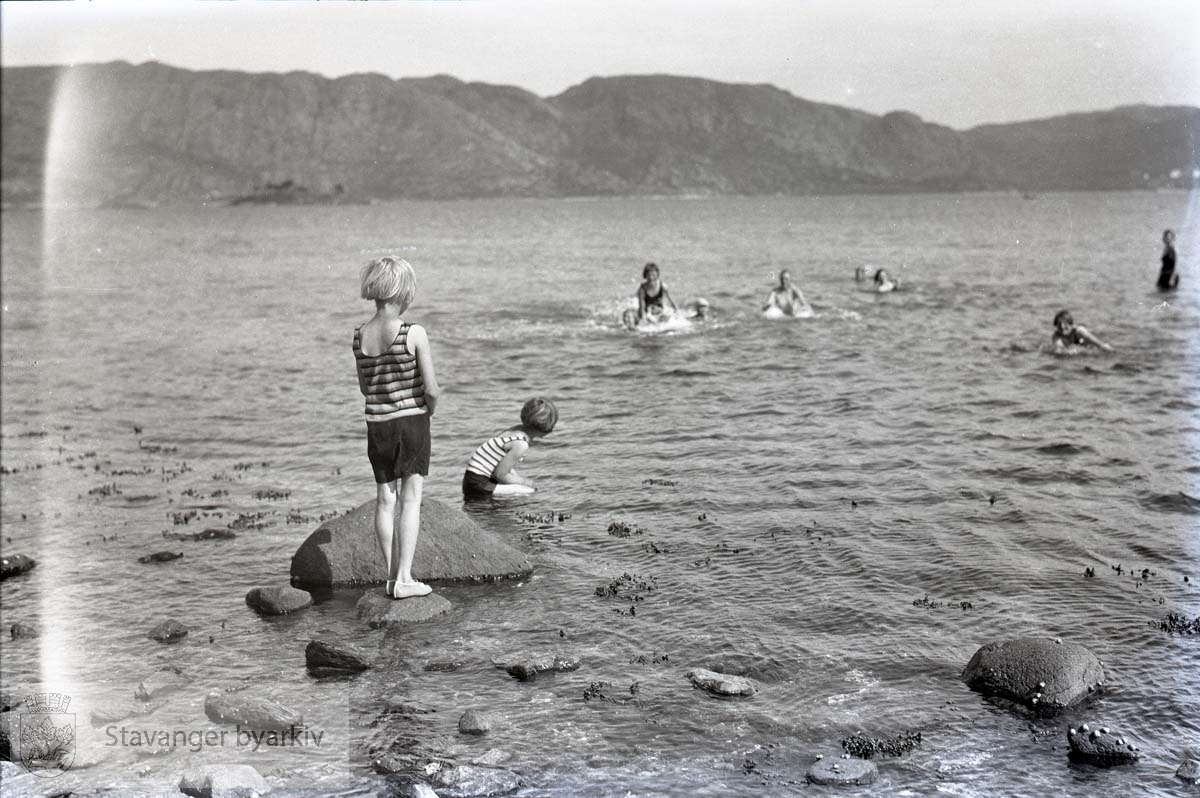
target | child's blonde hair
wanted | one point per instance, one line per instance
(540, 414)
(389, 279)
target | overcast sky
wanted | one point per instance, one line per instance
(961, 63)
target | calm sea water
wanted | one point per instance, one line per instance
(811, 480)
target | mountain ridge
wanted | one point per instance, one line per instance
(154, 134)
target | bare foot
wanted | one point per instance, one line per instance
(404, 590)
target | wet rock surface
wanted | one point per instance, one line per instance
(224, 781)
(15, 565)
(472, 781)
(1189, 771)
(1099, 745)
(250, 711)
(721, 684)
(321, 655)
(525, 667)
(1040, 673)
(160, 556)
(451, 546)
(278, 600)
(169, 631)
(379, 610)
(842, 772)
(864, 747)
(23, 630)
(474, 722)
(162, 682)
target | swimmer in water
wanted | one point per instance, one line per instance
(786, 296)
(860, 274)
(654, 301)
(884, 281)
(698, 309)
(1069, 334)
(1167, 278)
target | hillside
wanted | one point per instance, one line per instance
(153, 134)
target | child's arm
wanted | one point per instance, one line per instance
(641, 302)
(798, 296)
(1091, 339)
(504, 472)
(670, 301)
(418, 344)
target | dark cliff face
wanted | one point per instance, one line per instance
(153, 133)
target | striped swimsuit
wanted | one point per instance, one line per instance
(394, 387)
(488, 456)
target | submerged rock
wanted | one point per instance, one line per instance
(164, 681)
(451, 546)
(114, 711)
(836, 772)
(1097, 745)
(15, 564)
(471, 781)
(320, 655)
(1038, 672)
(379, 610)
(1189, 771)
(527, 666)
(160, 556)
(169, 631)
(224, 781)
(721, 683)
(250, 711)
(279, 600)
(20, 630)
(473, 722)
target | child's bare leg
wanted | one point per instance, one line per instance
(385, 514)
(410, 526)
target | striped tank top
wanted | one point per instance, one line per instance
(392, 380)
(485, 459)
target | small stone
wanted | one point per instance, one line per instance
(1189, 771)
(278, 600)
(850, 772)
(320, 655)
(23, 630)
(169, 631)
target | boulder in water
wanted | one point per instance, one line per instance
(1038, 672)
(15, 564)
(320, 655)
(471, 781)
(379, 610)
(450, 547)
(250, 711)
(1098, 745)
(279, 600)
(473, 722)
(721, 684)
(169, 631)
(1189, 771)
(527, 666)
(224, 781)
(19, 630)
(843, 772)
(162, 682)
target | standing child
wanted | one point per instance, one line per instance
(1069, 334)
(490, 470)
(1167, 278)
(395, 374)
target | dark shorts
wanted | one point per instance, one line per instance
(477, 485)
(399, 447)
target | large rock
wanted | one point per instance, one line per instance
(474, 722)
(1189, 771)
(1098, 745)
(169, 631)
(527, 666)
(224, 781)
(470, 781)
(320, 655)
(835, 772)
(450, 547)
(14, 564)
(250, 712)
(279, 600)
(380, 610)
(1039, 672)
(721, 684)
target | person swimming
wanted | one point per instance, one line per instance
(654, 301)
(1167, 278)
(884, 281)
(1069, 335)
(786, 297)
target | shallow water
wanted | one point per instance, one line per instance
(826, 476)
